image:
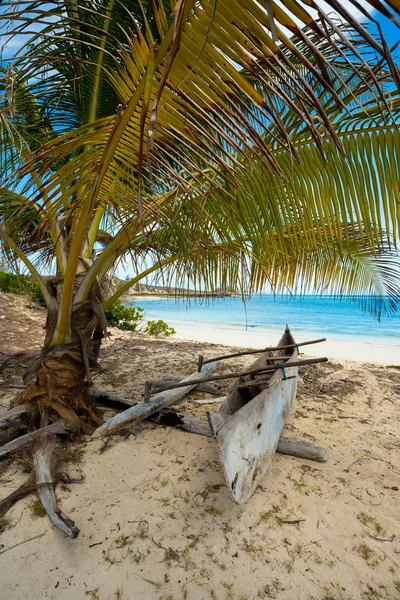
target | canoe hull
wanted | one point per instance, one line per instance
(247, 439)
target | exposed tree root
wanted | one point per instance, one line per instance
(28, 488)
(8, 502)
(43, 455)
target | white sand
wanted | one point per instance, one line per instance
(375, 350)
(157, 520)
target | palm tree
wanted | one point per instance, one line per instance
(127, 132)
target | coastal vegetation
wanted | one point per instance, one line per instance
(126, 318)
(159, 328)
(223, 143)
(18, 283)
(130, 318)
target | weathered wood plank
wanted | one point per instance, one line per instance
(142, 411)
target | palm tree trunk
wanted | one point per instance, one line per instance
(58, 379)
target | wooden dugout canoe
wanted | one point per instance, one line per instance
(251, 419)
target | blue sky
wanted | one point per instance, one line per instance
(390, 31)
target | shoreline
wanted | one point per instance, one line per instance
(134, 297)
(370, 346)
(377, 351)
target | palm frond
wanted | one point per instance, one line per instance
(237, 43)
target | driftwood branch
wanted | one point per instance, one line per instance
(7, 449)
(210, 400)
(291, 521)
(13, 413)
(14, 430)
(290, 446)
(183, 421)
(24, 355)
(35, 537)
(142, 411)
(302, 449)
(120, 403)
(110, 399)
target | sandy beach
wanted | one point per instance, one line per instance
(378, 351)
(377, 348)
(156, 519)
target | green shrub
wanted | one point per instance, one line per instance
(19, 284)
(124, 317)
(159, 329)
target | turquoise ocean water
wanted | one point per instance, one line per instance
(323, 316)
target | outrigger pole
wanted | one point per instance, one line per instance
(269, 369)
(202, 362)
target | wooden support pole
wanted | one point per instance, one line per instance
(265, 382)
(261, 351)
(144, 410)
(290, 446)
(147, 391)
(209, 388)
(191, 424)
(269, 369)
